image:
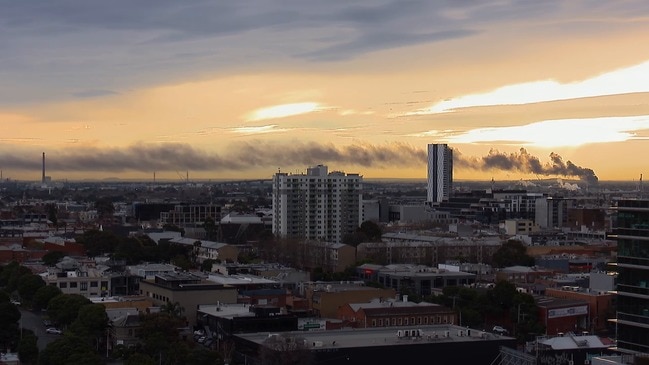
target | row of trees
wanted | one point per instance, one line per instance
(134, 250)
(502, 305)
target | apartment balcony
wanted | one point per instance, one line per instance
(633, 290)
(633, 319)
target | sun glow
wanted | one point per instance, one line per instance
(627, 80)
(560, 133)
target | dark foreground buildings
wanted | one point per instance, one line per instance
(433, 344)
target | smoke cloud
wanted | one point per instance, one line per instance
(250, 155)
(525, 163)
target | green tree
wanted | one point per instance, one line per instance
(64, 308)
(284, 350)
(28, 349)
(9, 331)
(182, 262)
(69, 349)
(158, 331)
(91, 323)
(206, 265)
(104, 207)
(130, 250)
(98, 242)
(52, 214)
(203, 356)
(174, 309)
(211, 229)
(28, 285)
(52, 258)
(512, 253)
(140, 359)
(372, 231)
(10, 275)
(43, 296)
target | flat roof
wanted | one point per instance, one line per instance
(384, 336)
(226, 311)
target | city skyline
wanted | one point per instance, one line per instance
(231, 91)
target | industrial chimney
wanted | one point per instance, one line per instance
(43, 178)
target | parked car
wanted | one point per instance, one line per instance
(53, 331)
(15, 302)
(500, 330)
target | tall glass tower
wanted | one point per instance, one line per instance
(440, 173)
(632, 234)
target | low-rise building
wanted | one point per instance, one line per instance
(600, 305)
(563, 315)
(211, 250)
(393, 313)
(439, 344)
(81, 277)
(188, 290)
(404, 248)
(523, 274)
(326, 297)
(421, 280)
(331, 257)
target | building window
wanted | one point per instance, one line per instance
(401, 321)
(374, 323)
(94, 284)
(84, 285)
(425, 320)
(394, 321)
(63, 285)
(381, 322)
(418, 320)
(73, 284)
(405, 321)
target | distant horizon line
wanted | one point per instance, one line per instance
(203, 180)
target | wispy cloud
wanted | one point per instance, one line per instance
(558, 133)
(623, 81)
(264, 129)
(283, 111)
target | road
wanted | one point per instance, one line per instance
(34, 321)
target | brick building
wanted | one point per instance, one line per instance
(391, 313)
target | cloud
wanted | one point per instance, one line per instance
(93, 93)
(244, 156)
(54, 49)
(283, 111)
(258, 130)
(557, 133)
(632, 79)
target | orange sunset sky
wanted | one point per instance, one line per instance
(239, 89)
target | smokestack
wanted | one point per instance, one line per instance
(43, 178)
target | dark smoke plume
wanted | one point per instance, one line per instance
(526, 163)
(250, 155)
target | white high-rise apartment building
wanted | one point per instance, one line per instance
(440, 173)
(317, 205)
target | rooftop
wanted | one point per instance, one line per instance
(367, 337)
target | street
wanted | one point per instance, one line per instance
(33, 321)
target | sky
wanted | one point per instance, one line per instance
(243, 89)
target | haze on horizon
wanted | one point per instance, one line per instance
(230, 90)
